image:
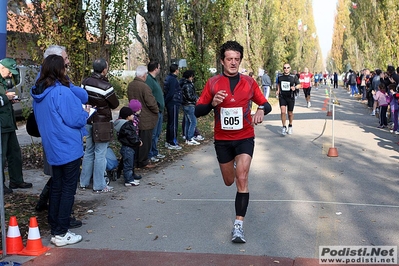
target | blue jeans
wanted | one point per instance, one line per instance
(94, 162)
(190, 121)
(156, 132)
(128, 163)
(62, 195)
(354, 89)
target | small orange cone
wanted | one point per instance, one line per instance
(34, 245)
(14, 240)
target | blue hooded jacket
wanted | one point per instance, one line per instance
(61, 121)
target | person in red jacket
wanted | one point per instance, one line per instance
(229, 95)
(306, 83)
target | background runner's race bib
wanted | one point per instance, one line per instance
(231, 118)
(285, 86)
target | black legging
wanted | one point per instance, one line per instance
(383, 115)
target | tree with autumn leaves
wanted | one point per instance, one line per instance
(269, 30)
(365, 35)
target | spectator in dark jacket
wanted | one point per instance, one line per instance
(11, 152)
(128, 136)
(392, 77)
(189, 100)
(102, 96)
(154, 69)
(173, 100)
(352, 83)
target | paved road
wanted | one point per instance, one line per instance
(300, 198)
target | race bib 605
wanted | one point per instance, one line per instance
(231, 118)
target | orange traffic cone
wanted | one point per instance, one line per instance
(34, 245)
(14, 240)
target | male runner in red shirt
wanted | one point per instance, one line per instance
(230, 95)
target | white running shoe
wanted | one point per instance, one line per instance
(160, 156)
(309, 104)
(192, 142)
(289, 130)
(68, 238)
(198, 138)
(238, 234)
(283, 131)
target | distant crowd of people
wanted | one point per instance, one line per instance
(380, 90)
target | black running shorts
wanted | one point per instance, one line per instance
(227, 150)
(285, 100)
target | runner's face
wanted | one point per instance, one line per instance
(231, 63)
(286, 69)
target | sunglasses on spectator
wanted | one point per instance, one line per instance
(286, 67)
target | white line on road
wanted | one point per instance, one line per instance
(297, 201)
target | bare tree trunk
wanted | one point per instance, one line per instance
(153, 21)
(168, 13)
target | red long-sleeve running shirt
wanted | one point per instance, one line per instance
(233, 120)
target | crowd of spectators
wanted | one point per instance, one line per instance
(380, 91)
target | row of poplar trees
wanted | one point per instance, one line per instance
(366, 35)
(272, 32)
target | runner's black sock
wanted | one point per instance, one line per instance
(242, 200)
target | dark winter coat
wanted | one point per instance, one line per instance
(101, 96)
(189, 95)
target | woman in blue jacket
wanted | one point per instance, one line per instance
(61, 121)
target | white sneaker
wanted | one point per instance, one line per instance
(372, 113)
(289, 130)
(68, 239)
(105, 190)
(160, 156)
(192, 142)
(154, 159)
(309, 104)
(199, 138)
(133, 183)
(174, 147)
(283, 131)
